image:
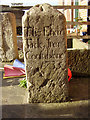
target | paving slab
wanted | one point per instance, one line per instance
(77, 109)
(13, 111)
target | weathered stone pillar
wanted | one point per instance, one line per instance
(44, 38)
(8, 40)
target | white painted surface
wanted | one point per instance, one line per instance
(78, 44)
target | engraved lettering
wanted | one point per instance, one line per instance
(37, 32)
(47, 31)
(30, 31)
(45, 56)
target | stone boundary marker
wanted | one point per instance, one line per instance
(8, 40)
(44, 41)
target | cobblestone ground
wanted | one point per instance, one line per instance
(14, 102)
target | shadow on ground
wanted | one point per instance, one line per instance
(43, 110)
(79, 88)
(12, 81)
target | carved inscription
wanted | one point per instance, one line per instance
(53, 55)
(34, 36)
(46, 31)
(38, 44)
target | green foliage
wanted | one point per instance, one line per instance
(78, 19)
(23, 83)
(88, 41)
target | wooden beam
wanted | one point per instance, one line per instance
(72, 7)
(78, 37)
(72, 12)
(7, 8)
(55, 6)
(22, 7)
(78, 23)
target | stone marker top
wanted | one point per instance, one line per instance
(42, 10)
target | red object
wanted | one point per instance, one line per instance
(69, 74)
(13, 71)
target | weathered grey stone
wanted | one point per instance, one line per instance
(44, 38)
(8, 40)
(78, 61)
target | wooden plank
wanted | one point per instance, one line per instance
(78, 23)
(7, 8)
(72, 13)
(22, 7)
(57, 7)
(78, 37)
(72, 7)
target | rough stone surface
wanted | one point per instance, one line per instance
(8, 40)
(78, 61)
(44, 41)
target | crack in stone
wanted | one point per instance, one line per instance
(44, 83)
